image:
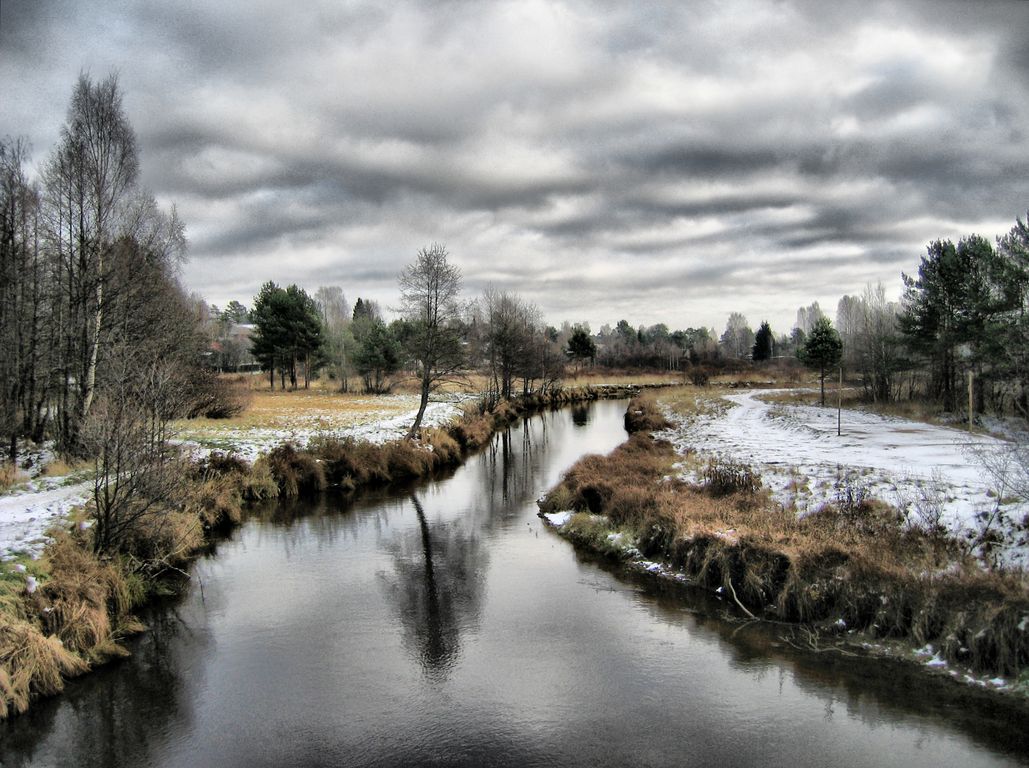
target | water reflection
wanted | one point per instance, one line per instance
(508, 470)
(581, 414)
(436, 588)
(109, 718)
(444, 626)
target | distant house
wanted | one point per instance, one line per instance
(230, 351)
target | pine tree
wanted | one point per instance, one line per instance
(763, 342)
(822, 350)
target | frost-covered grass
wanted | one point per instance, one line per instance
(48, 489)
(298, 417)
(929, 472)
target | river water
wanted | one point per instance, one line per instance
(444, 625)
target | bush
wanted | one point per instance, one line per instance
(216, 397)
(699, 375)
(643, 415)
(723, 477)
(295, 472)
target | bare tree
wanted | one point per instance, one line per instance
(88, 179)
(429, 289)
(339, 340)
(738, 338)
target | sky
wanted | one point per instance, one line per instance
(662, 162)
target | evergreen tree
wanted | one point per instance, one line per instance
(580, 345)
(951, 313)
(289, 332)
(822, 350)
(377, 356)
(763, 342)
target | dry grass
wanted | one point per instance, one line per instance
(598, 377)
(32, 665)
(10, 476)
(314, 410)
(644, 415)
(76, 617)
(856, 563)
(61, 467)
(691, 402)
(295, 471)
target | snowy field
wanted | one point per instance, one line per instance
(29, 511)
(923, 469)
(374, 420)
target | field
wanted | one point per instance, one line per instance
(933, 474)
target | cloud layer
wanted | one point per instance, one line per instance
(663, 163)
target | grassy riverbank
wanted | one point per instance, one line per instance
(851, 571)
(69, 611)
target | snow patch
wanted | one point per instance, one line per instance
(805, 465)
(558, 519)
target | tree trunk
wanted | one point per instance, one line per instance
(415, 429)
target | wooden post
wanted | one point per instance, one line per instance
(839, 405)
(971, 402)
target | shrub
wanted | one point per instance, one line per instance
(644, 415)
(700, 375)
(217, 397)
(723, 477)
(295, 472)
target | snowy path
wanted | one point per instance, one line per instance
(25, 517)
(801, 459)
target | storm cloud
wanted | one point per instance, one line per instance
(661, 162)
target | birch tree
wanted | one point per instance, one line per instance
(429, 290)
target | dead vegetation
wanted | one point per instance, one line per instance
(853, 564)
(76, 618)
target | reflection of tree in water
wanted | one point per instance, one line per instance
(581, 414)
(111, 717)
(437, 589)
(509, 466)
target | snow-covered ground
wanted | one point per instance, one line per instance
(920, 468)
(27, 513)
(374, 424)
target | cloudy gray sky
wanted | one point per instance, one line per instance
(662, 162)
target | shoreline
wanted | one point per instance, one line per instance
(43, 606)
(841, 601)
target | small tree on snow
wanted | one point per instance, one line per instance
(822, 350)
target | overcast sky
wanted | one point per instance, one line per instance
(661, 162)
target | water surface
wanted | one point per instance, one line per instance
(444, 625)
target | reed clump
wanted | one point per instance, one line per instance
(852, 564)
(76, 617)
(295, 471)
(644, 415)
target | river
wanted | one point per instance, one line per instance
(444, 625)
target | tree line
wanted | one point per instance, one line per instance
(964, 311)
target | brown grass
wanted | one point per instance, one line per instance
(77, 617)
(644, 415)
(10, 476)
(295, 471)
(857, 564)
(32, 665)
